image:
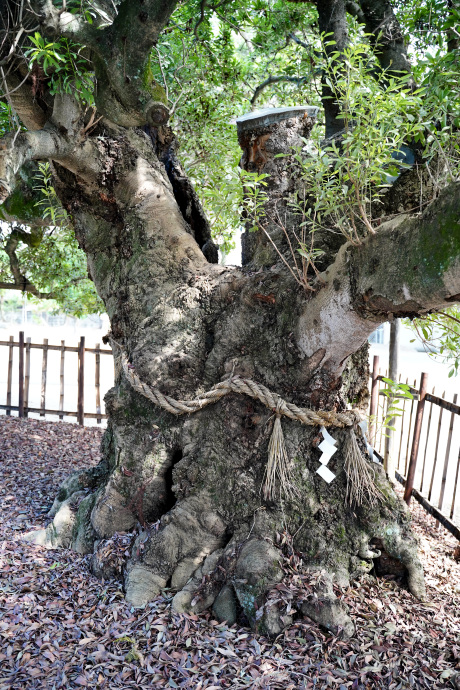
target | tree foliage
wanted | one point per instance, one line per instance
(215, 62)
(281, 328)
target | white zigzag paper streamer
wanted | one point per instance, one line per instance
(326, 474)
(327, 451)
(327, 437)
(327, 446)
(369, 448)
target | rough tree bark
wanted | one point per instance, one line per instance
(386, 37)
(194, 482)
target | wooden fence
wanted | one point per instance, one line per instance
(427, 463)
(427, 455)
(21, 378)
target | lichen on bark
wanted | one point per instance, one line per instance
(191, 485)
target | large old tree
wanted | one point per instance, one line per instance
(284, 341)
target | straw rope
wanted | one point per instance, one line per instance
(360, 482)
(247, 387)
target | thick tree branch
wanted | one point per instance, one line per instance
(78, 153)
(10, 250)
(20, 280)
(365, 286)
(386, 35)
(23, 205)
(138, 25)
(25, 286)
(15, 151)
(127, 93)
(332, 20)
(275, 80)
(426, 276)
(19, 92)
(355, 10)
(32, 239)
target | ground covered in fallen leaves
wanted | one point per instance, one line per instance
(60, 627)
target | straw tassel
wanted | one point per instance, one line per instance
(360, 481)
(277, 466)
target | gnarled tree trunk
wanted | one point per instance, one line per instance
(195, 482)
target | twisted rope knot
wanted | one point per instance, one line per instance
(248, 387)
(280, 409)
(277, 466)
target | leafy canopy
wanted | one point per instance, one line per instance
(214, 63)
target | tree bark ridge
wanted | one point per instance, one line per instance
(186, 325)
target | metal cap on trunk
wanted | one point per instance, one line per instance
(270, 116)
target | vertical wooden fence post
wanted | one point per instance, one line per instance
(426, 442)
(374, 399)
(61, 380)
(446, 459)
(384, 410)
(21, 375)
(455, 486)
(10, 373)
(438, 436)
(406, 463)
(97, 381)
(416, 439)
(44, 372)
(402, 430)
(27, 378)
(81, 381)
(393, 365)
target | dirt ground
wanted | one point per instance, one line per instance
(60, 627)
